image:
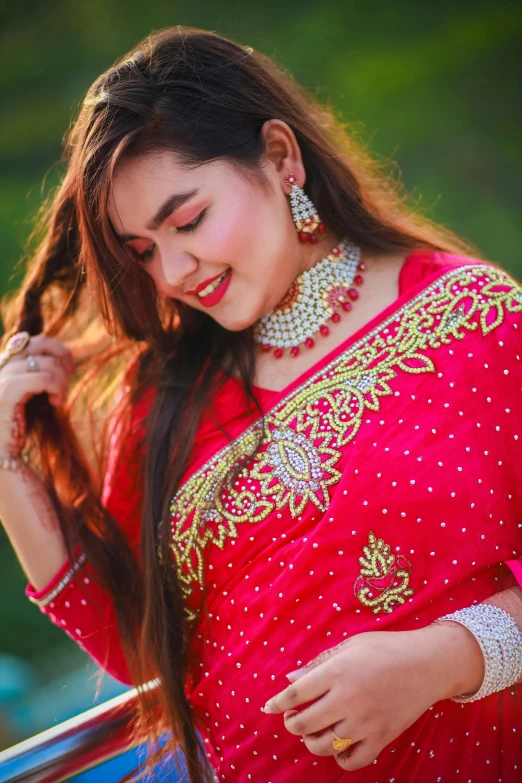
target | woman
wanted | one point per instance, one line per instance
(314, 455)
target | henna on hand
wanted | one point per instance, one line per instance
(16, 425)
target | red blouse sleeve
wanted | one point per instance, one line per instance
(73, 600)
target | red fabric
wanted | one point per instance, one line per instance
(432, 470)
(83, 609)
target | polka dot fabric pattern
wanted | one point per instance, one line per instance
(386, 493)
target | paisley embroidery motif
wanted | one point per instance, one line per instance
(306, 432)
(383, 582)
(292, 469)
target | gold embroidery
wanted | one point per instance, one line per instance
(305, 432)
(292, 470)
(383, 582)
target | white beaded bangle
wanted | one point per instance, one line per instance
(64, 581)
(500, 640)
(13, 463)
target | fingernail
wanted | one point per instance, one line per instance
(294, 675)
(267, 710)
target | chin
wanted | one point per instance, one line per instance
(236, 326)
(237, 322)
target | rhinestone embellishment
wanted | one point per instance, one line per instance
(315, 297)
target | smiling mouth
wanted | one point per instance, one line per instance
(211, 287)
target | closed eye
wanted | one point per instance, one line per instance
(193, 223)
(146, 253)
(181, 229)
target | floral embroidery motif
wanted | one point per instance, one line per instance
(292, 469)
(383, 582)
(305, 433)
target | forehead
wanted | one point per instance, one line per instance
(140, 185)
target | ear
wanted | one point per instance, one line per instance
(282, 150)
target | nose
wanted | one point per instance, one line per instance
(177, 266)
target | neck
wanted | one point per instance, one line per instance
(312, 254)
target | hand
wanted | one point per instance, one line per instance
(18, 385)
(373, 686)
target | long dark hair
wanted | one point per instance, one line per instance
(205, 98)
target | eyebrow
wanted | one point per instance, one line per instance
(170, 205)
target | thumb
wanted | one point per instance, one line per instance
(317, 661)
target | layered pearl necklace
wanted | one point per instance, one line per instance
(315, 297)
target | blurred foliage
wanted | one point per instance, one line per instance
(431, 85)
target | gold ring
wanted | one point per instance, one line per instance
(16, 343)
(340, 744)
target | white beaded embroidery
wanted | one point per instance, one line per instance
(500, 640)
(64, 581)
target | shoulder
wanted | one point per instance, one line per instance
(422, 264)
(482, 300)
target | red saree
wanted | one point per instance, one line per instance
(385, 494)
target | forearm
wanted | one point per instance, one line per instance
(458, 651)
(31, 524)
(78, 604)
(510, 601)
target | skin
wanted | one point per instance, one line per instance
(27, 514)
(398, 676)
(248, 228)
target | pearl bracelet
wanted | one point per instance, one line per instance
(13, 463)
(500, 640)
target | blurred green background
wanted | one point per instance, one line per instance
(432, 86)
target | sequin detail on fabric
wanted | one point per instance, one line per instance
(383, 582)
(306, 432)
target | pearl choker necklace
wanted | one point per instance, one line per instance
(315, 297)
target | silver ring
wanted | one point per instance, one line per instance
(32, 364)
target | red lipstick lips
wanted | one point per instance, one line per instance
(201, 286)
(216, 296)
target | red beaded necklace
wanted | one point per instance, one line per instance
(317, 296)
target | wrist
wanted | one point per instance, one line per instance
(13, 462)
(457, 659)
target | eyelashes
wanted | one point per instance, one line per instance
(146, 254)
(193, 224)
(186, 229)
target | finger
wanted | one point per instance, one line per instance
(15, 369)
(51, 383)
(42, 344)
(18, 362)
(317, 717)
(321, 743)
(358, 755)
(319, 659)
(30, 383)
(308, 688)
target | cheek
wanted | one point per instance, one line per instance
(248, 236)
(228, 229)
(154, 270)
